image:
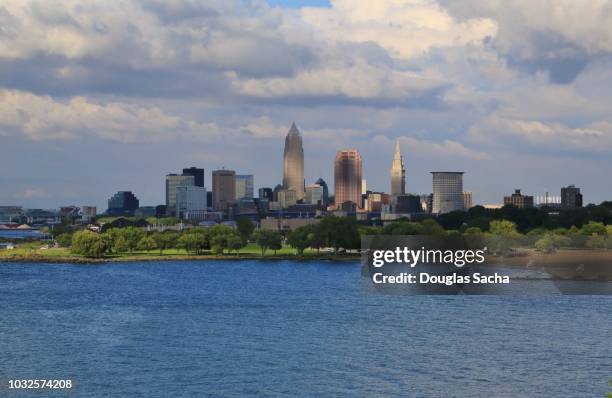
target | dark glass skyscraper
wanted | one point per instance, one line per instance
(122, 203)
(198, 175)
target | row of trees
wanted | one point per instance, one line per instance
(337, 233)
(527, 219)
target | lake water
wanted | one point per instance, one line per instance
(255, 328)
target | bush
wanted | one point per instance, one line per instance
(90, 244)
(64, 240)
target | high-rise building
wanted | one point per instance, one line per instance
(467, 200)
(519, 200)
(293, 162)
(348, 177)
(323, 184)
(398, 173)
(244, 186)
(447, 191)
(224, 188)
(266, 193)
(173, 181)
(571, 197)
(314, 194)
(122, 203)
(198, 175)
(286, 198)
(191, 202)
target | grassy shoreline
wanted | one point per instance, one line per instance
(33, 254)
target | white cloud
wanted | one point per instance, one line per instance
(44, 118)
(433, 149)
(493, 130)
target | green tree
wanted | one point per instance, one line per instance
(593, 228)
(245, 228)
(165, 240)
(596, 242)
(299, 239)
(219, 243)
(120, 244)
(90, 244)
(235, 242)
(189, 242)
(64, 240)
(147, 243)
(266, 239)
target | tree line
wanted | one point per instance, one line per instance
(339, 234)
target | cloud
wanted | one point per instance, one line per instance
(434, 149)
(32, 193)
(44, 118)
(559, 37)
(592, 138)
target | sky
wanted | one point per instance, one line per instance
(102, 96)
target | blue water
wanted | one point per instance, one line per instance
(254, 328)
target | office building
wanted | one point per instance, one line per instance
(314, 194)
(11, 214)
(266, 193)
(447, 191)
(467, 200)
(244, 186)
(224, 188)
(376, 200)
(191, 202)
(398, 173)
(405, 204)
(88, 212)
(571, 197)
(198, 175)
(293, 162)
(173, 181)
(323, 185)
(123, 203)
(519, 200)
(347, 177)
(286, 198)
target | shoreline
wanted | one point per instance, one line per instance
(179, 257)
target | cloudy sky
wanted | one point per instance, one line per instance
(101, 96)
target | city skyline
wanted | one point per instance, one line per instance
(514, 100)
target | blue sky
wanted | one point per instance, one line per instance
(97, 97)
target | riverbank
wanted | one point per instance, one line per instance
(32, 254)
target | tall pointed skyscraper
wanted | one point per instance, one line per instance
(293, 177)
(398, 173)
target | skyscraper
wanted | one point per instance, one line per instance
(322, 183)
(447, 192)
(398, 173)
(224, 188)
(190, 202)
(173, 181)
(198, 175)
(293, 159)
(348, 177)
(244, 186)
